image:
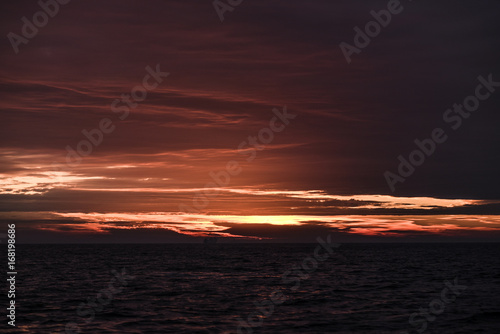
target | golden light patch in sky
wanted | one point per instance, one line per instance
(197, 224)
(40, 183)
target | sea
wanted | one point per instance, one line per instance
(256, 288)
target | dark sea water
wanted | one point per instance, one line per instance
(196, 288)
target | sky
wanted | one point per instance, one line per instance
(256, 128)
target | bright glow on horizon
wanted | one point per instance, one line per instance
(205, 225)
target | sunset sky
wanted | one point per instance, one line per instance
(323, 172)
